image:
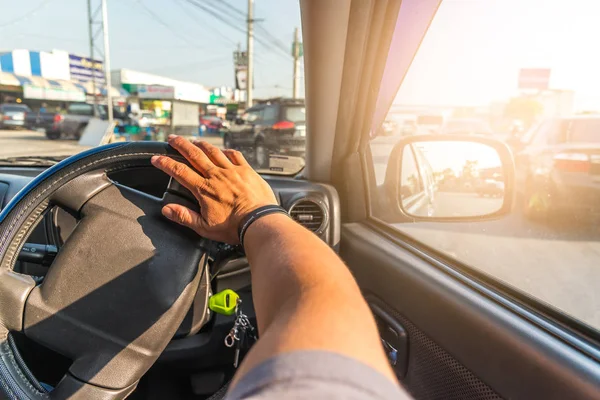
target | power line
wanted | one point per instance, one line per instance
(231, 7)
(167, 26)
(212, 28)
(194, 64)
(31, 13)
(216, 12)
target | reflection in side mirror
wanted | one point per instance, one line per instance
(458, 179)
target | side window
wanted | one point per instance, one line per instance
(455, 74)
(81, 109)
(410, 181)
(255, 116)
(586, 130)
(270, 114)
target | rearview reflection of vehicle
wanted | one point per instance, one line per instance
(450, 179)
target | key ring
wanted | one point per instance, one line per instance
(230, 340)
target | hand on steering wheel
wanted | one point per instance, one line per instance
(225, 185)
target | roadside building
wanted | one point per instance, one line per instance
(54, 78)
(175, 104)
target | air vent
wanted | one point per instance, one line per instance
(311, 214)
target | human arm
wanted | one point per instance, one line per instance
(304, 296)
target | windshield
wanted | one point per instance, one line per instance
(173, 70)
(11, 108)
(295, 114)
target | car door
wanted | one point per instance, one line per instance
(476, 308)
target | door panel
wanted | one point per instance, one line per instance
(463, 342)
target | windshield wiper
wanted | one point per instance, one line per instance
(32, 160)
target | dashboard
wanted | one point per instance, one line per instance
(315, 206)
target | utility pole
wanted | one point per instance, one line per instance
(296, 54)
(250, 49)
(95, 25)
(92, 45)
(107, 77)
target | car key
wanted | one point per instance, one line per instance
(226, 302)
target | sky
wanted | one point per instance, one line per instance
(187, 44)
(470, 56)
(474, 49)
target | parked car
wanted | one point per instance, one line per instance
(429, 123)
(146, 119)
(40, 120)
(417, 183)
(211, 124)
(558, 167)
(277, 126)
(462, 126)
(13, 115)
(73, 123)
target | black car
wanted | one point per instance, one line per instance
(273, 127)
(558, 168)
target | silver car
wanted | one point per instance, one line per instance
(13, 115)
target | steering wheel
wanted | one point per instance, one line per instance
(116, 292)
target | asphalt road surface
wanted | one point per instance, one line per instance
(448, 204)
(558, 262)
(15, 143)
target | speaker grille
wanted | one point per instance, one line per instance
(433, 374)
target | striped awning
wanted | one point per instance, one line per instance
(101, 90)
(9, 79)
(36, 87)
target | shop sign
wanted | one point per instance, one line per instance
(82, 69)
(155, 92)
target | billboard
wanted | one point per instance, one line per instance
(83, 68)
(534, 78)
(240, 64)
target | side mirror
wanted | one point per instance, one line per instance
(450, 178)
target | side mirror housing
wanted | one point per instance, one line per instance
(449, 178)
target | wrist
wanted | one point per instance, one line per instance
(264, 231)
(255, 215)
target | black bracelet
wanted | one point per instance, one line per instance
(255, 215)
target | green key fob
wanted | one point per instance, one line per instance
(224, 302)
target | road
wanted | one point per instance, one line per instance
(26, 143)
(557, 263)
(448, 204)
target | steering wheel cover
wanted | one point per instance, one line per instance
(16, 222)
